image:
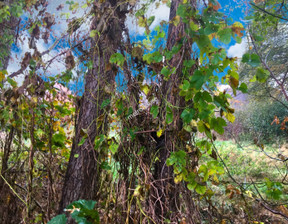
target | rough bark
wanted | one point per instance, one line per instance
(166, 196)
(83, 172)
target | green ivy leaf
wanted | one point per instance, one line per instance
(225, 35)
(105, 103)
(187, 115)
(166, 72)
(200, 126)
(182, 10)
(210, 28)
(217, 124)
(118, 59)
(197, 79)
(251, 59)
(200, 189)
(150, 20)
(105, 166)
(154, 111)
(189, 63)
(262, 75)
(170, 161)
(169, 115)
(84, 211)
(99, 140)
(203, 42)
(58, 140)
(59, 219)
(113, 148)
(243, 88)
(155, 57)
(12, 82)
(191, 186)
(186, 85)
(193, 26)
(83, 139)
(207, 97)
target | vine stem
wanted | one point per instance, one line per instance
(14, 191)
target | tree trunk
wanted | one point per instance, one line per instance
(166, 194)
(83, 169)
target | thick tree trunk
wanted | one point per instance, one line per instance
(83, 169)
(166, 195)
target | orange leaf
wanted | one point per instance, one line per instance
(215, 7)
(276, 120)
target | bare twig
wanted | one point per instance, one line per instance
(269, 13)
(268, 68)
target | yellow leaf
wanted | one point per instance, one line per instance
(145, 89)
(2, 76)
(178, 179)
(249, 193)
(159, 133)
(55, 102)
(137, 191)
(34, 99)
(230, 117)
(212, 36)
(237, 28)
(142, 21)
(61, 130)
(215, 179)
(176, 20)
(193, 123)
(189, 148)
(238, 25)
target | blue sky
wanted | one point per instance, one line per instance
(232, 8)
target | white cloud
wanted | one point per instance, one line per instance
(223, 87)
(60, 18)
(238, 50)
(161, 13)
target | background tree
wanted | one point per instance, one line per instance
(83, 171)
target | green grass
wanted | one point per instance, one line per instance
(248, 164)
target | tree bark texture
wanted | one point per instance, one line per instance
(83, 168)
(166, 197)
